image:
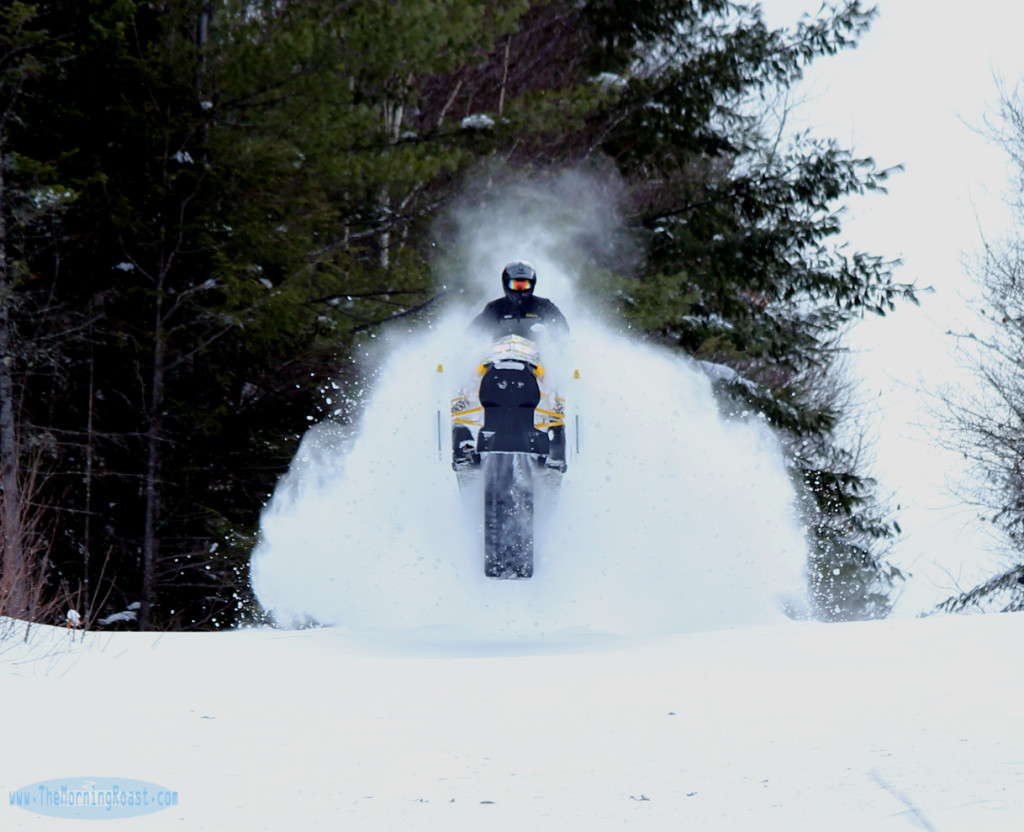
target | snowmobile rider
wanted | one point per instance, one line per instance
(524, 314)
(520, 312)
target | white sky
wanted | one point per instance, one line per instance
(913, 93)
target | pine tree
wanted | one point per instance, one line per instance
(256, 189)
(252, 192)
(742, 271)
(738, 222)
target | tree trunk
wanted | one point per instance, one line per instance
(12, 590)
(89, 457)
(150, 541)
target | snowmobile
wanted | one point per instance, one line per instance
(509, 431)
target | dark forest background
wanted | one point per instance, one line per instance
(205, 206)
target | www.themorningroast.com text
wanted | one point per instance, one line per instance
(89, 798)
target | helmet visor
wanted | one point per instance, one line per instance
(520, 285)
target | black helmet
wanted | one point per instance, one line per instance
(518, 280)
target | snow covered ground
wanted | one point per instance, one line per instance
(909, 724)
(648, 676)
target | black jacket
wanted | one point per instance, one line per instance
(503, 317)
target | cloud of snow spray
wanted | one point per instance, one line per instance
(668, 520)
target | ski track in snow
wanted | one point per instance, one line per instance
(669, 519)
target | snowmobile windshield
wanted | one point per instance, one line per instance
(514, 348)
